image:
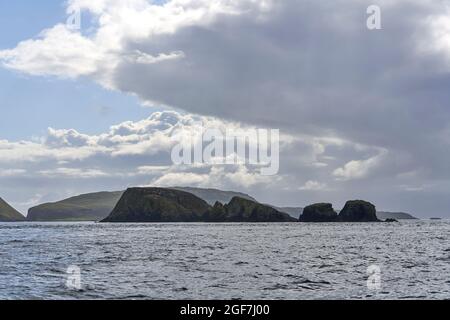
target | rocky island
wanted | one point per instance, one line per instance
(244, 210)
(319, 212)
(358, 211)
(8, 213)
(354, 211)
(221, 206)
(170, 205)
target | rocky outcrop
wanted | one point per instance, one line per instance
(243, 210)
(170, 205)
(86, 207)
(8, 213)
(217, 213)
(158, 205)
(390, 220)
(319, 212)
(214, 195)
(358, 211)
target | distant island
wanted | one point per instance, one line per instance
(86, 207)
(8, 213)
(221, 206)
(354, 211)
(395, 215)
(174, 205)
(171, 205)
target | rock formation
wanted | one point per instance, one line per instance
(320, 212)
(158, 205)
(243, 210)
(170, 205)
(358, 211)
(214, 195)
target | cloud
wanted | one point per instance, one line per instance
(357, 169)
(313, 186)
(133, 153)
(306, 67)
(73, 173)
(67, 138)
(339, 92)
(12, 172)
(237, 176)
(64, 52)
(58, 52)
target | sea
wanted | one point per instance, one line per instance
(292, 261)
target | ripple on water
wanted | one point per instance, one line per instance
(224, 261)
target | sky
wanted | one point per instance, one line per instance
(363, 113)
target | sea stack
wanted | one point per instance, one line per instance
(319, 212)
(170, 205)
(358, 211)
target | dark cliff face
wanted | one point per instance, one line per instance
(158, 205)
(319, 212)
(217, 213)
(358, 211)
(169, 205)
(8, 213)
(244, 210)
(214, 195)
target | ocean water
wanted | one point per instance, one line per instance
(224, 261)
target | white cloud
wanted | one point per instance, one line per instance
(67, 162)
(57, 52)
(12, 172)
(73, 173)
(358, 169)
(237, 176)
(139, 153)
(277, 64)
(313, 186)
(67, 138)
(63, 52)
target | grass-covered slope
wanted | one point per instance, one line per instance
(394, 215)
(87, 207)
(8, 213)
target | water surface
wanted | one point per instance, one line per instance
(225, 261)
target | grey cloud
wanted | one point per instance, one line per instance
(313, 67)
(310, 68)
(70, 162)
